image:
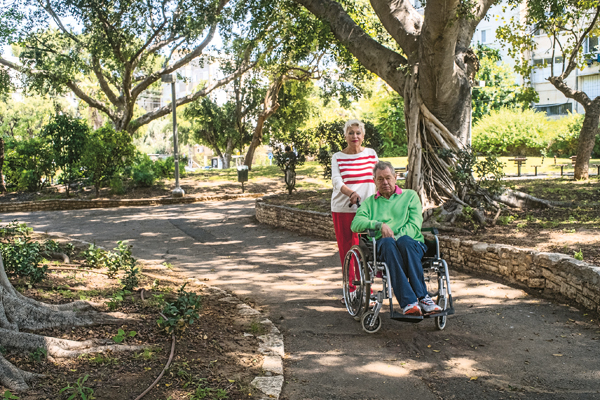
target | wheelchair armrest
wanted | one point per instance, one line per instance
(432, 230)
(369, 232)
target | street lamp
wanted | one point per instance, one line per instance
(177, 192)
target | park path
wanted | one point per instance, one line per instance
(501, 343)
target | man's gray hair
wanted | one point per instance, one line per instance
(351, 122)
(382, 165)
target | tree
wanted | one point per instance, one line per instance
(125, 46)
(68, 137)
(428, 61)
(500, 89)
(567, 24)
(214, 126)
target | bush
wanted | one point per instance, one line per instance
(143, 171)
(116, 185)
(107, 152)
(21, 259)
(28, 163)
(166, 168)
(181, 313)
(509, 132)
(68, 137)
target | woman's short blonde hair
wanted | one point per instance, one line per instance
(352, 122)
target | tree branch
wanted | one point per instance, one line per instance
(377, 58)
(103, 83)
(146, 118)
(89, 100)
(573, 59)
(402, 22)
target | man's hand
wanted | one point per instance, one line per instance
(386, 231)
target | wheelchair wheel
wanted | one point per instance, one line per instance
(431, 281)
(356, 279)
(366, 320)
(442, 301)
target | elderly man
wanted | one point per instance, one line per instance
(396, 215)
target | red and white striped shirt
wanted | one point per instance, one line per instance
(354, 171)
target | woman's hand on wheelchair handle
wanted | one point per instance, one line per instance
(386, 231)
(354, 198)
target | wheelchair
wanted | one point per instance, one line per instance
(365, 305)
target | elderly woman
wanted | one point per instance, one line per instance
(352, 178)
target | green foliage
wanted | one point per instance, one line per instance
(209, 393)
(38, 354)
(512, 132)
(143, 171)
(490, 171)
(15, 228)
(107, 153)
(78, 390)
(181, 313)
(331, 140)
(116, 185)
(500, 90)
(578, 255)
(22, 258)
(28, 163)
(129, 264)
(116, 299)
(94, 256)
(506, 219)
(389, 121)
(68, 137)
(7, 395)
(122, 335)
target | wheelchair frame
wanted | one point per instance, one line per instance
(367, 268)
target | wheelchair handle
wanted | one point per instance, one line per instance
(357, 204)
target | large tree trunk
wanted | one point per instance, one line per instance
(227, 155)
(587, 139)
(428, 174)
(18, 312)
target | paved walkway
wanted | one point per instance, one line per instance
(501, 344)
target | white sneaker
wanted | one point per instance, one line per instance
(412, 309)
(428, 305)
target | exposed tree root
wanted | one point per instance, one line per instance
(18, 312)
(513, 198)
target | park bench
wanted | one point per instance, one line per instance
(561, 167)
(519, 161)
(598, 167)
(400, 172)
(536, 167)
(573, 159)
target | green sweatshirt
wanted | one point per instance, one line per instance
(402, 213)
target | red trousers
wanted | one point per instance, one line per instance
(344, 236)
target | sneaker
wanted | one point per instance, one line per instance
(412, 309)
(428, 305)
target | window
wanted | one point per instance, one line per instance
(558, 60)
(590, 45)
(555, 109)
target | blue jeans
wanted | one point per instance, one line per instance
(403, 258)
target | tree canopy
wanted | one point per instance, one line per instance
(109, 54)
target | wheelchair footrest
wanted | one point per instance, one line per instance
(406, 318)
(448, 311)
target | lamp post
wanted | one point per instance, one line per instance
(177, 192)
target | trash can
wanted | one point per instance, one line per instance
(242, 173)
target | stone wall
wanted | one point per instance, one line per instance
(77, 204)
(554, 274)
(309, 223)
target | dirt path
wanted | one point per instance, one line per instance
(500, 344)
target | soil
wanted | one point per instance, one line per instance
(215, 357)
(567, 230)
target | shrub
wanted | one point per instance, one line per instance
(181, 313)
(22, 258)
(28, 163)
(67, 136)
(107, 152)
(116, 185)
(512, 132)
(143, 171)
